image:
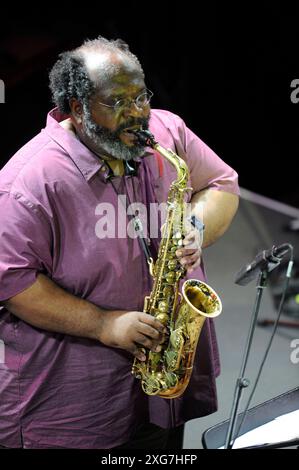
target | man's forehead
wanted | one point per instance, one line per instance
(121, 86)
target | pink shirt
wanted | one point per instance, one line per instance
(62, 391)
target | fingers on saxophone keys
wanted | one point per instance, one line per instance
(186, 252)
(156, 348)
(138, 353)
(191, 237)
(189, 260)
(153, 332)
(148, 343)
(153, 323)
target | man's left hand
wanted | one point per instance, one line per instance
(189, 254)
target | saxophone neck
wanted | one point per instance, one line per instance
(146, 138)
(178, 163)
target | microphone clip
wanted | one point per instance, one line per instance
(266, 260)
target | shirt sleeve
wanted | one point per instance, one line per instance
(207, 169)
(25, 245)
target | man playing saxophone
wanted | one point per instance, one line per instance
(72, 319)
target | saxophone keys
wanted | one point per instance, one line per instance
(177, 241)
(172, 264)
(172, 252)
(170, 277)
(167, 291)
(163, 306)
(162, 317)
(177, 235)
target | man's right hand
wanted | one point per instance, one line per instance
(132, 331)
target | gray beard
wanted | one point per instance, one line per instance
(109, 141)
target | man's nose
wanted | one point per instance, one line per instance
(133, 110)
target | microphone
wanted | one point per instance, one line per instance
(266, 259)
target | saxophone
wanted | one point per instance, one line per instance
(167, 373)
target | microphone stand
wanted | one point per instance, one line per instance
(243, 382)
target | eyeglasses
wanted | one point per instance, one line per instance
(140, 101)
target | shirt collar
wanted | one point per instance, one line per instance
(86, 161)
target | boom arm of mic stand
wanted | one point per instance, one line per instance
(242, 382)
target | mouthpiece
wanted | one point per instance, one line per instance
(144, 137)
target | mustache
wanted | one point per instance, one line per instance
(141, 122)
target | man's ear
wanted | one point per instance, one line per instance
(76, 110)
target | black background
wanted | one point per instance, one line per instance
(225, 69)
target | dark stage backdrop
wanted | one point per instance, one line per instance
(227, 71)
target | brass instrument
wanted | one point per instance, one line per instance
(167, 373)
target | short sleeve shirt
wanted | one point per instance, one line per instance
(61, 216)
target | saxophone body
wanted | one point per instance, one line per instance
(167, 373)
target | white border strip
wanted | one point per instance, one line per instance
(269, 203)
